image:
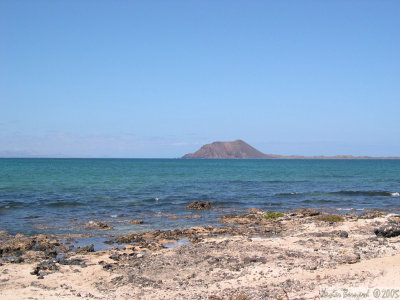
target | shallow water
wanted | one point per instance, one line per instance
(181, 242)
(99, 243)
(61, 195)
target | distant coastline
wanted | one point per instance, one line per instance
(241, 150)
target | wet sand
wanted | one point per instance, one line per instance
(250, 257)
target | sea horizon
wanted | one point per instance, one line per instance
(100, 157)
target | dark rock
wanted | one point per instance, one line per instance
(19, 243)
(64, 248)
(51, 253)
(49, 265)
(308, 212)
(117, 279)
(107, 267)
(371, 215)
(70, 262)
(115, 257)
(248, 260)
(199, 205)
(344, 234)
(85, 249)
(13, 259)
(39, 247)
(17, 260)
(214, 297)
(126, 239)
(388, 231)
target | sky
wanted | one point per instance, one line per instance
(95, 78)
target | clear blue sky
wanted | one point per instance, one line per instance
(160, 78)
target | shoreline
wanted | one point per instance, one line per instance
(108, 226)
(254, 254)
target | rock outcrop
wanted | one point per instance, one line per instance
(199, 205)
(388, 230)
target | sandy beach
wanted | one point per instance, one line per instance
(251, 256)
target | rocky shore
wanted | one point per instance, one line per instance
(255, 255)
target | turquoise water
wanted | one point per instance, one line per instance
(61, 195)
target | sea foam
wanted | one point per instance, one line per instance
(395, 194)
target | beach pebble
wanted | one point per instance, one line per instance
(351, 258)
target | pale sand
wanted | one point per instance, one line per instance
(298, 263)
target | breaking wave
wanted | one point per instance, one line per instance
(343, 193)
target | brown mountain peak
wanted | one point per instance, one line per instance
(237, 149)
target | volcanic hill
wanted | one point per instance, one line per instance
(241, 150)
(237, 150)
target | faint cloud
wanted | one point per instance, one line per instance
(96, 144)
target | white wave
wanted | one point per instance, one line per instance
(395, 194)
(156, 199)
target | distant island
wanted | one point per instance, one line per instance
(241, 150)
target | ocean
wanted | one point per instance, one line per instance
(62, 195)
